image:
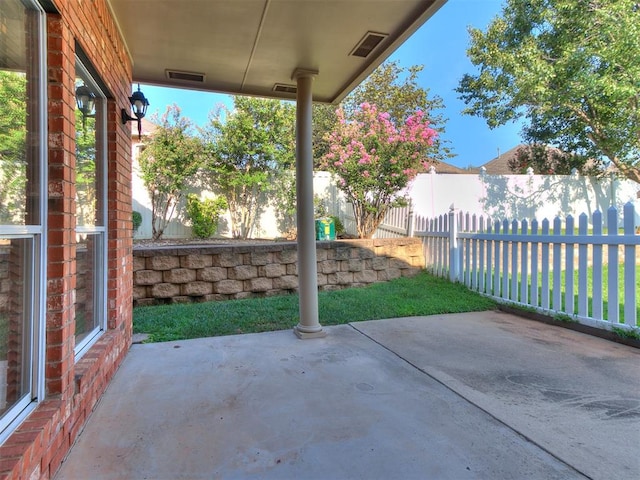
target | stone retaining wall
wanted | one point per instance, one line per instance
(175, 274)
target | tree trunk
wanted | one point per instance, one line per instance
(367, 222)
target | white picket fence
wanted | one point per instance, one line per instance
(550, 268)
(556, 270)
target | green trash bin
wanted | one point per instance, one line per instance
(325, 229)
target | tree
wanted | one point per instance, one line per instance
(570, 68)
(392, 89)
(86, 187)
(544, 160)
(170, 160)
(324, 122)
(247, 148)
(395, 90)
(375, 160)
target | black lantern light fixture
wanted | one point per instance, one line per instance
(139, 105)
(86, 101)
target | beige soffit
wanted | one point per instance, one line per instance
(252, 47)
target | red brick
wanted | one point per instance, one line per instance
(9, 463)
(15, 450)
(24, 437)
(42, 451)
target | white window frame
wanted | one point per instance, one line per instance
(100, 231)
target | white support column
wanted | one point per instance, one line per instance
(309, 325)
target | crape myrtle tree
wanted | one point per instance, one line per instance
(384, 133)
(571, 70)
(247, 150)
(374, 159)
(393, 89)
(169, 162)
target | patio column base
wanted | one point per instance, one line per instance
(305, 335)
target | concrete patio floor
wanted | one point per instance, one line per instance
(471, 396)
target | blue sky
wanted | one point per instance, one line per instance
(440, 45)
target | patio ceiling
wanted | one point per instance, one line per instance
(250, 46)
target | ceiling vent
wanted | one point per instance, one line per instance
(370, 41)
(282, 88)
(185, 76)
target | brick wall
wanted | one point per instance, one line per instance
(37, 448)
(206, 273)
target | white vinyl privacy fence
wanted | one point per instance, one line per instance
(498, 196)
(579, 270)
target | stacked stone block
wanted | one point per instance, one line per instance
(190, 273)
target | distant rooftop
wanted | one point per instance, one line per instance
(500, 164)
(442, 167)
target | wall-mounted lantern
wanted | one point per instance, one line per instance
(86, 101)
(139, 105)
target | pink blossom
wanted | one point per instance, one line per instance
(391, 154)
(365, 160)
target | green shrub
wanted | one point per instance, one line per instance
(136, 217)
(319, 207)
(204, 214)
(338, 225)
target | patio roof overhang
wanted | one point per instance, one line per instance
(252, 47)
(307, 50)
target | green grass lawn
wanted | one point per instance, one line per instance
(605, 289)
(420, 295)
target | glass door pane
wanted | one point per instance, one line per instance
(90, 210)
(89, 284)
(16, 294)
(22, 154)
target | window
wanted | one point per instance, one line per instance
(22, 154)
(90, 210)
